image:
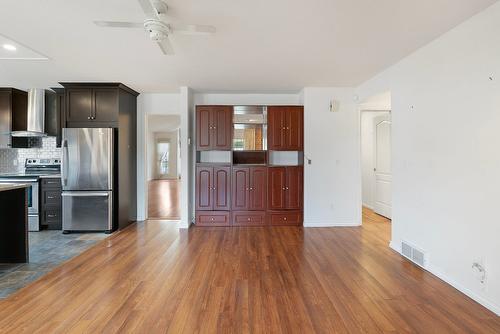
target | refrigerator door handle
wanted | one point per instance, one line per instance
(84, 194)
(64, 175)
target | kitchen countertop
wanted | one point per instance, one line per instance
(13, 186)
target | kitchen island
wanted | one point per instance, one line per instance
(13, 223)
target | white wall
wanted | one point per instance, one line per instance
(165, 127)
(367, 155)
(446, 159)
(332, 183)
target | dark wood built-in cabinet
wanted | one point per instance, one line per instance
(248, 191)
(285, 128)
(214, 128)
(213, 188)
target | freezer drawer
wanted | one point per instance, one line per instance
(87, 210)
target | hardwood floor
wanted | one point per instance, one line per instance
(163, 199)
(152, 278)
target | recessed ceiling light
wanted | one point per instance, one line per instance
(9, 47)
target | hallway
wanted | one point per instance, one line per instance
(163, 199)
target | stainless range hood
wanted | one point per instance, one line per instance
(35, 125)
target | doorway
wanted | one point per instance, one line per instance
(163, 167)
(376, 168)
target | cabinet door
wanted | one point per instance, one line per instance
(293, 188)
(294, 128)
(275, 128)
(276, 187)
(241, 188)
(203, 128)
(105, 105)
(79, 106)
(204, 188)
(258, 188)
(222, 188)
(222, 127)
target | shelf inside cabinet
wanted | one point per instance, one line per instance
(249, 157)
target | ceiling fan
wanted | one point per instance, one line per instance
(158, 26)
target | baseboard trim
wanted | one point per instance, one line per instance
(330, 224)
(439, 273)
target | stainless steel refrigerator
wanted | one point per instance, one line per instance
(87, 179)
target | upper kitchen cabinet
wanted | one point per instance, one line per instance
(13, 115)
(285, 128)
(214, 128)
(54, 113)
(94, 105)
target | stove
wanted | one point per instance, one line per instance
(34, 168)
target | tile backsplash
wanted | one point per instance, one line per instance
(12, 159)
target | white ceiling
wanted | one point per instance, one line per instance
(260, 45)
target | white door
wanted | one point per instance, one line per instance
(382, 163)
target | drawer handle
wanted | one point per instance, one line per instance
(51, 216)
(50, 197)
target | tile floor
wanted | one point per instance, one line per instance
(48, 249)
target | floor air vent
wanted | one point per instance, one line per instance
(413, 254)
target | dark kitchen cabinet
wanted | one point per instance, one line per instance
(285, 188)
(79, 105)
(214, 128)
(213, 188)
(249, 188)
(14, 117)
(54, 113)
(94, 105)
(109, 105)
(50, 203)
(285, 128)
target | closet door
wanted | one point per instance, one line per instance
(222, 188)
(241, 188)
(204, 191)
(293, 188)
(258, 188)
(276, 188)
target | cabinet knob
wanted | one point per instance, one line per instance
(284, 218)
(283, 188)
(89, 117)
(248, 219)
(212, 219)
(286, 188)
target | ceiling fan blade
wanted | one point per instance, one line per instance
(193, 29)
(166, 47)
(147, 7)
(116, 24)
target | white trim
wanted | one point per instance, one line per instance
(439, 273)
(331, 224)
(368, 206)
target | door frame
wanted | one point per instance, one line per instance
(365, 108)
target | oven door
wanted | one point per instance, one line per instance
(33, 217)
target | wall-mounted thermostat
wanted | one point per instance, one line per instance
(334, 105)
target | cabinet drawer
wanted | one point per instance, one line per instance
(249, 218)
(285, 217)
(51, 183)
(52, 197)
(213, 218)
(51, 216)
